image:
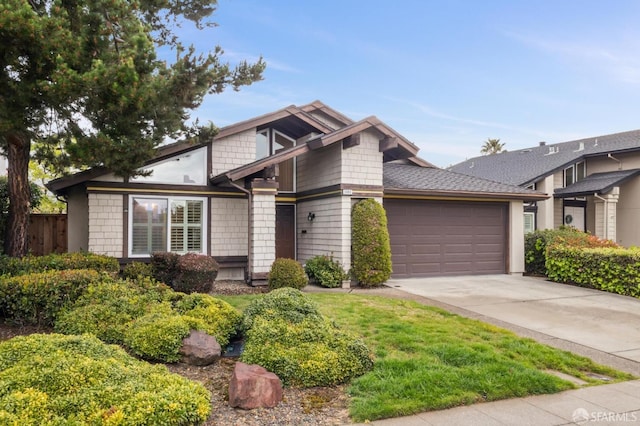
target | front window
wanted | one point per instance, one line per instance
(529, 222)
(166, 224)
(186, 169)
(574, 173)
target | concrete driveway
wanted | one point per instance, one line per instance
(581, 320)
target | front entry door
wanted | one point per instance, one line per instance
(574, 216)
(285, 231)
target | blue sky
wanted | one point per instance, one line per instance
(445, 74)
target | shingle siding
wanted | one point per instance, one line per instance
(106, 224)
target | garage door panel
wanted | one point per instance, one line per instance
(437, 238)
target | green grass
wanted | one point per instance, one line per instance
(429, 359)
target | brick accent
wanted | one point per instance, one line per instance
(106, 224)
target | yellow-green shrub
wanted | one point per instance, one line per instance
(218, 318)
(106, 309)
(58, 262)
(157, 336)
(287, 273)
(37, 298)
(56, 379)
(283, 303)
(616, 270)
(135, 270)
(306, 353)
(371, 246)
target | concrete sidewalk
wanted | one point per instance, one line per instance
(602, 326)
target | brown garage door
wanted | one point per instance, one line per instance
(438, 238)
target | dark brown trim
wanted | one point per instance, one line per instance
(319, 106)
(351, 141)
(232, 261)
(58, 186)
(256, 122)
(462, 195)
(256, 166)
(575, 203)
(265, 184)
(387, 143)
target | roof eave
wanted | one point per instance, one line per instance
(465, 194)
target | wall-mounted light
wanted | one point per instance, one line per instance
(311, 216)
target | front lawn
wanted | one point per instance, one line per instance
(429, 359)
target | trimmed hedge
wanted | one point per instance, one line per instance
(287, 273)
(536, 243)
(37, 298)
(371, 247)
(325, 271)
(56, 379)
(58, 262)
(616, 270)
(286, 334)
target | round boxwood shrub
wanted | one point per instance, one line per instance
(56, 379)
(371, 252)
(325, 271)
(195, 273)
(287, 273)
(157, 337)
(285, 303)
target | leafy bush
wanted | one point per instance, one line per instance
(615, 270)
(59, 262)
(217, 317)
(284, 303)
(56, 379)
(371, 247)
(37, 298)
(286, 273)
(164, 266)
(157, 337)
(148, 317)
(135, 270)
(536, 244)
(306, 353)
(325, 271)
(106, 309)
(195, 273)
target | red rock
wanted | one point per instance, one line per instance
(253, 386)
(199, 348)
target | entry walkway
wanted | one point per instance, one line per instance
(602, 326)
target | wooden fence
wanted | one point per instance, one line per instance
(47, 233)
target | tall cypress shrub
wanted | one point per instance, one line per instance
(371, 257)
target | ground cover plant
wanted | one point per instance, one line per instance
(429, 359)
(57, 379)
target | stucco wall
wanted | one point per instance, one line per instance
(546, 207)
(78, 219)
(233, 151)
(628, 214)
(229, 231)
(106, 224)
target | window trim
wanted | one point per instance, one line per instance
(169, 199)
(533, 221)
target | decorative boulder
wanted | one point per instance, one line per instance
(253, 386)
(199, 348)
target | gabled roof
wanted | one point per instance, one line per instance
(525, 166)
(405, 178)
(597, 183)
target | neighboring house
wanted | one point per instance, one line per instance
(282, 185)
(595, 183)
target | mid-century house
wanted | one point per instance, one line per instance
(282, 185)
(595, 183)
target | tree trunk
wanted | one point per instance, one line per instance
(16, 241)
